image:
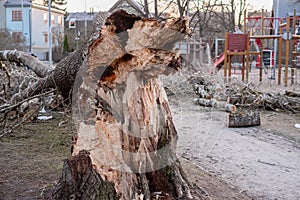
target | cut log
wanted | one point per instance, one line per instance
(122, 112)
(223, 105)
(243, 119)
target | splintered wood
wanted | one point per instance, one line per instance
(123, 115)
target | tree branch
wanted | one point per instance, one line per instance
(28, 60)
(10, 107)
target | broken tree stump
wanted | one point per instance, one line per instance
(122, 112)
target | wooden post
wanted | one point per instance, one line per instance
(225, 58)
(294, 21)
(248, 42)
(248, 46)
(243, 68)
(287, 47)
(262, 44)
(247, 57)
(229, 68)
(293, 68)
(245, 18)
(280, 54)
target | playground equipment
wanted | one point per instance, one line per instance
(218, 62)
(237, 44)
(287, 34)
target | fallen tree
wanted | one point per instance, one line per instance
(125, 147)
(31, 77)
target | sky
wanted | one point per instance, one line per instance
(104, 5)
(98, 5)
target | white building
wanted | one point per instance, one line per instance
(30, 20)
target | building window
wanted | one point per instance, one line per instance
(45, 18)
(72, 23)
(46, 37)
(53, 39)
(17, 36)
(16, 15)
(52, 19)
(59, 19)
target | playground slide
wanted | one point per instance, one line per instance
(219, 60)
(217, 63)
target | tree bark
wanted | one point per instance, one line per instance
(126, 140)
(62, 77)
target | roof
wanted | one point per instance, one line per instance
(81, 16)
(17, 3)
(124, 4)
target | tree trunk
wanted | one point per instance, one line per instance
(125, 146)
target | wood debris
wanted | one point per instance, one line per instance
(242, 100)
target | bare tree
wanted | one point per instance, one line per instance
(227, 13)
(201, 20)
(242, 6)
(159, 7)
(181, 7)
(146, 7)
(155, 8)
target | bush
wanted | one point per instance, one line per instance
(8, 42)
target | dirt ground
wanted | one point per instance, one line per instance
(260, 162)
(221, 163)
(31, 161)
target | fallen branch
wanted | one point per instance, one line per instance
(28, 60)
(11, 107)
(9, 130)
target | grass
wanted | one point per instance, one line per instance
(31, 158)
